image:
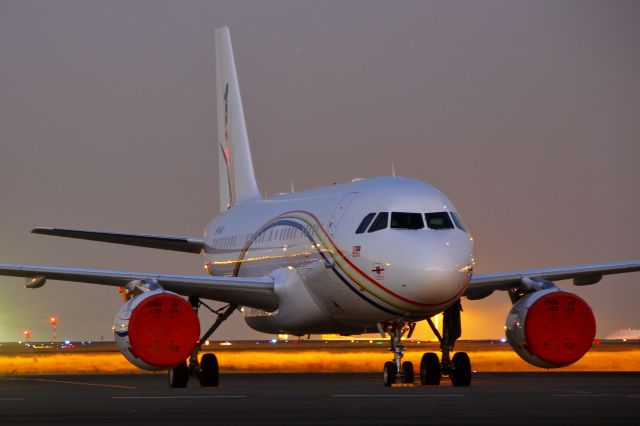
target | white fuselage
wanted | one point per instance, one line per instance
(330, 278)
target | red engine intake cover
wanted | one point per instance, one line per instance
(559, 328)
(163, 330)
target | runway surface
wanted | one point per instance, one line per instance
(354, 399)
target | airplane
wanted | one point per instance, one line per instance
(371, 255)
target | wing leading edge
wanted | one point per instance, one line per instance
(482, 285)
(243, 291)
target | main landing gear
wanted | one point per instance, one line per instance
(457, 368)
(206, 370)
(432, 369)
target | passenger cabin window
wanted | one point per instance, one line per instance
(380, 222)
(406, 220)
(440, 220)
(458, 221)
(365, 223)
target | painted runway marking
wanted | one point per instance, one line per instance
(67, 382)
(574, 395)
(393, 396)
(179, 397)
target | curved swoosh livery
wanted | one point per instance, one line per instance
(374, 254)
(321, 242)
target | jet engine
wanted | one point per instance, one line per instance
(156, 329)
(551, 328)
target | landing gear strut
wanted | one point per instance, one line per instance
(207, 370)
(396, 369)
(457, 368)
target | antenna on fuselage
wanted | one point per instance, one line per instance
(393, 169)
(292, 188)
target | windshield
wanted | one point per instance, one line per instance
(439, 220)
(401, 220)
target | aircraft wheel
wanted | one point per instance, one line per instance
(460, 369)
(179, 376)
(430, 371)
(389, 373)
(407, 372)
(209, 371)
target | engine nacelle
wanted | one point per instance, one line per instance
(551, 328)
(156, 330)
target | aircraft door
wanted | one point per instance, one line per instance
(337, 214)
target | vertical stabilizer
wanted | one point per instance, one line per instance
(235, 168)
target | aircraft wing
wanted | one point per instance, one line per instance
(164, 242)
(243, 291)
(482, 285)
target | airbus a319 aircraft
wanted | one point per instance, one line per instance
(371, 255)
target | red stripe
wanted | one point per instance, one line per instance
(381, 287)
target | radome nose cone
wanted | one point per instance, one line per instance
(433, 288)
(437, 269)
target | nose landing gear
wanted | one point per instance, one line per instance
(397, 370)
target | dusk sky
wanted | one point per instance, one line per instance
(525, 113)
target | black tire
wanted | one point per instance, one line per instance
(179, 376)
(460, 369)
(389, 373)
(430, 370)
(407, 372)
(209, 374)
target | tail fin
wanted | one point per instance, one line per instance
(235, 168)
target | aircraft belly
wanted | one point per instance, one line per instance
(342, 306)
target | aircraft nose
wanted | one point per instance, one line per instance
(436, 271)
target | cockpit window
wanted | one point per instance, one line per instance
(365, 222)
(439, 220)
(380, 222)
(406, 220)
(458, 221)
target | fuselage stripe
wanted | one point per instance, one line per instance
(361, 273)
(338, 256)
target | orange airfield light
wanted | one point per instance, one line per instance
(53, 320)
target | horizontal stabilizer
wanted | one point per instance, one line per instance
(163, 242)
